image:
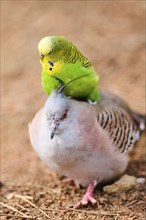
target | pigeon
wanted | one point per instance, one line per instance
(87, 143)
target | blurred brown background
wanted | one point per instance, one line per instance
(110, 33)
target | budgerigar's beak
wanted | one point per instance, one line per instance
(56, 125)
(41, 55)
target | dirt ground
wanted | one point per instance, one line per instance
(112, 35)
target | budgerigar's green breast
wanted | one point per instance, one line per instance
(80, 88)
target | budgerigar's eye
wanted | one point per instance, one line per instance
(50, 53)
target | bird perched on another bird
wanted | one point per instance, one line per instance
(61, 59)
(88, 144)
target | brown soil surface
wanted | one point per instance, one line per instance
(112, 35)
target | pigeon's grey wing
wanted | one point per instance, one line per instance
(117, 119)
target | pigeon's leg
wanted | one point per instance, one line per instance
(68, 181)
(88, 197)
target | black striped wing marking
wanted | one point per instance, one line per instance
(121, 129)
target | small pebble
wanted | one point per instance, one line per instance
(10, 196)
(140, 180)
(124, 184)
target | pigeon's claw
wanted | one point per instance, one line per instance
(88, 197)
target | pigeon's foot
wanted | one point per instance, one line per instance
(88, 197)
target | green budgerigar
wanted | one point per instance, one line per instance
(61, 59)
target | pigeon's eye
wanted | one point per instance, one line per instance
(64, 115)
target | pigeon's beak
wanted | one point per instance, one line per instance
(56, 125)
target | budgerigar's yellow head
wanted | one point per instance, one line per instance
(56, 52)
(52, 52)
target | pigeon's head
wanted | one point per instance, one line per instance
(56, 110)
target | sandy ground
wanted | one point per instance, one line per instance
(112, 35)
